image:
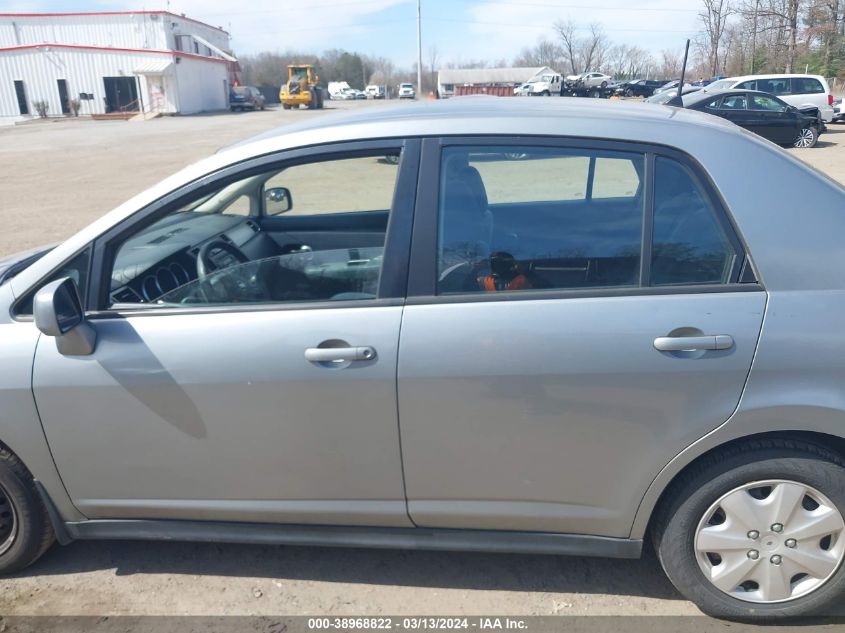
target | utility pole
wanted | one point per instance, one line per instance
(754, 35)
(419, 49)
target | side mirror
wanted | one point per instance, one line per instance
(277, 200)
(58, 313)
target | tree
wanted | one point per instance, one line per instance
(433, 57)
(567, 32)
(714, 18)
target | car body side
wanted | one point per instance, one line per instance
(797, 375)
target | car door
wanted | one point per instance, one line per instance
(771, 119)
(263, 391)
(547, 370)
(734, 108)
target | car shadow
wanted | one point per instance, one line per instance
(449, 570)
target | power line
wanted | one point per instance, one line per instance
(545, 26)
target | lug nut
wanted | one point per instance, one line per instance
(776, 560)
(753, 535)
(777, 527)
(791, 542)
(753, 554)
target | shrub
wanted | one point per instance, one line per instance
(41, 107)
(74, 106)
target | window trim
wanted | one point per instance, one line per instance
(393, 278)
(422, 282)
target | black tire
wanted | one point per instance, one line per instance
(629, 93)
(688, 499)
(233, 108)
(33, 534)
(545, 93)
(603, 85)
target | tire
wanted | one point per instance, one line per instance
(286, 106)
(603, 85)
(31, 534)
(233, 108)
(740, 474)
(545, 93)
(807, 138)
(629, 93)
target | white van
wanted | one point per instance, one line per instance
(797, 90)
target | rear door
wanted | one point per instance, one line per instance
(548, 369)
(771, 119)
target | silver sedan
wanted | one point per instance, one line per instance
(556, 327)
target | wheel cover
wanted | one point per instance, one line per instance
(8, 522)
(770, 541)
(805, 138)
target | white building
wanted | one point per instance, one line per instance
(114, 62)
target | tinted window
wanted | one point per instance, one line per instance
(538, 218)
(779, 86)
(747, 85)
(760, 102)
(690, 246)
(806, 85)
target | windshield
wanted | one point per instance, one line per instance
(722, 84)
(406, 86)
(240, 90)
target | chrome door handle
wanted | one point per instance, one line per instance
(339, 354)
(693, 343)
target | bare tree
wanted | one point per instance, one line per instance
(714, 18)
(567, 31)
(433, 58)
(594, 48)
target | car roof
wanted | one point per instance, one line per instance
(702, 95)
(774, 76)
(477, 114)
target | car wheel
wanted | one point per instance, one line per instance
(603, 85)
(757, 531)
(546, 93)
(807, 137)
(596, 93)
(629, 93)
(25, 530)
(233, 108)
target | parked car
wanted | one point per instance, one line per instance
(801, 91)
(443, 358)
(763, 114)
(246, 98)
(838, 110)
(522, 90)
(374, 91)
(638, 87)
(664, 96)
(673, 85)
(594, 80)
(543, 85)
(406, 91)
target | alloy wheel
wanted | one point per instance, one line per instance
(805, 138)
(8, 522)
(770, 541)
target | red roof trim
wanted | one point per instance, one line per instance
(114, 49)
(81, 13)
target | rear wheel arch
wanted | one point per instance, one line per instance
(649, 512)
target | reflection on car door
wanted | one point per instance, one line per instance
(238, 412)
(536, 391)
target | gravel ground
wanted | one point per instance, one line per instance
(90, 167)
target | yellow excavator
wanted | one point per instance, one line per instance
(301, 88)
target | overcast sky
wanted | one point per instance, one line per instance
(460, 29)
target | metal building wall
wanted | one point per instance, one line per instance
(117, 31)
(83, 70)
(202, 85)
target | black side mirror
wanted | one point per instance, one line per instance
(277, 200)
(58, 313)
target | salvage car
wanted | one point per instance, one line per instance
(763, 114)
(298, 341)
(246, 98)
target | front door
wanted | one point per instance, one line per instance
(240, 374)
(771, 119)
(547, 370)
(121, 94)
(64, 99)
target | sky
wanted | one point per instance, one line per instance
(458, 29)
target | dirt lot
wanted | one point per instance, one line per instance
(57, 177)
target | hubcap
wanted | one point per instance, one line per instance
(770, 541)
(805, 138)
(8, 522)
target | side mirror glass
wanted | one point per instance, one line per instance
(58, 313)
(277, 200)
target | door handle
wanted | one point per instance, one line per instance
(693, 343)
(339, 354)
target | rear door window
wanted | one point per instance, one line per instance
(533, 218)
(690, 244)
(777, 86)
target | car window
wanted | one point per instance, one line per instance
(689, 244)
(733, 102)
(325, 243)
(761, 102)
(778, 86)
(806, 85)
(538, 218)
(713, 104)
(747, 85)
(340, 186)
(76, 269)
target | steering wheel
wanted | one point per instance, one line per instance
(206, 265)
